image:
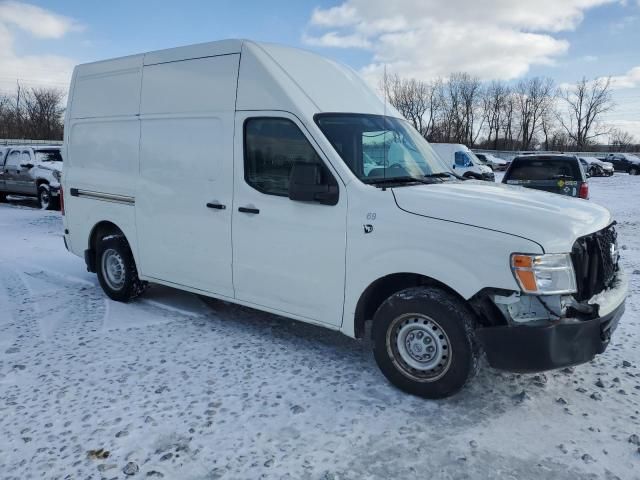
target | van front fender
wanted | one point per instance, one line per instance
(464, 274)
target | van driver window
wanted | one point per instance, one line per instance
(462, 159)
(271, 147)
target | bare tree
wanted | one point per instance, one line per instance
(414, 99)
(621, 140)
(534, 97)
(585, 102)
(43, 111)
(461, 109)
(508, 111)
(493, 106)
(34, 113)
(549, 127)
(459, 103)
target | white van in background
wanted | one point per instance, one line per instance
(275, 178)
(463, 161)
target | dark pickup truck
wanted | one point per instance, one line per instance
(31, 171)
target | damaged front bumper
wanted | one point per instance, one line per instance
(549, 344)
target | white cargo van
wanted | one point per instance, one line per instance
(275, 178)
(463, 161)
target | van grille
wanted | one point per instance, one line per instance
(595, 260)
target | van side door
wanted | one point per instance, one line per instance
(288, 255)
(185, 185)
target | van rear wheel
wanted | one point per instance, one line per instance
(423, 342)
(116, 269)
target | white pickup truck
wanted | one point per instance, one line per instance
(277, 179)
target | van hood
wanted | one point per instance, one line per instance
(551, 220)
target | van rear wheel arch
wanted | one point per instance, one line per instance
(99, 231)
(109, 245)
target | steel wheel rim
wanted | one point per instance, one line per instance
(113, 269)
(419, 347)
(44, 198)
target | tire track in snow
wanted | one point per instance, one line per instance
(70, 309)
(21, 309)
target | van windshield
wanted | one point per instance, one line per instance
(376, 147)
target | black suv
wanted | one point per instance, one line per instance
(561, 174)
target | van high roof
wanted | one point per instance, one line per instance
(272, 77)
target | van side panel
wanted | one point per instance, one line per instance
(102, 146)
(108, 88)
(190, 86)
(186, 161)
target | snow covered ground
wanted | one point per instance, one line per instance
(170, 387)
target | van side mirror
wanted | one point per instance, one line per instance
(306, 184)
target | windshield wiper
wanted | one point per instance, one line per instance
(561, 177)
(439, 175)
(399, 180)
(443, 175)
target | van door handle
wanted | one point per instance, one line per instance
(217, 206)
(248, 210)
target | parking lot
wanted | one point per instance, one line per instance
(170, 386)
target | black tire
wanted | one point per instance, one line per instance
(115, 248)
(45, 200)
(421, 310)
(634, 171)
(3, 197)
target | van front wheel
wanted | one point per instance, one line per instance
(116, 269)
(423, 342)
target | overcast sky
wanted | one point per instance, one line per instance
(41, 41)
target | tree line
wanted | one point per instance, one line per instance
(532, 113)
(33, 113)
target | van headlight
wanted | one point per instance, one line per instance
(549, 274)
